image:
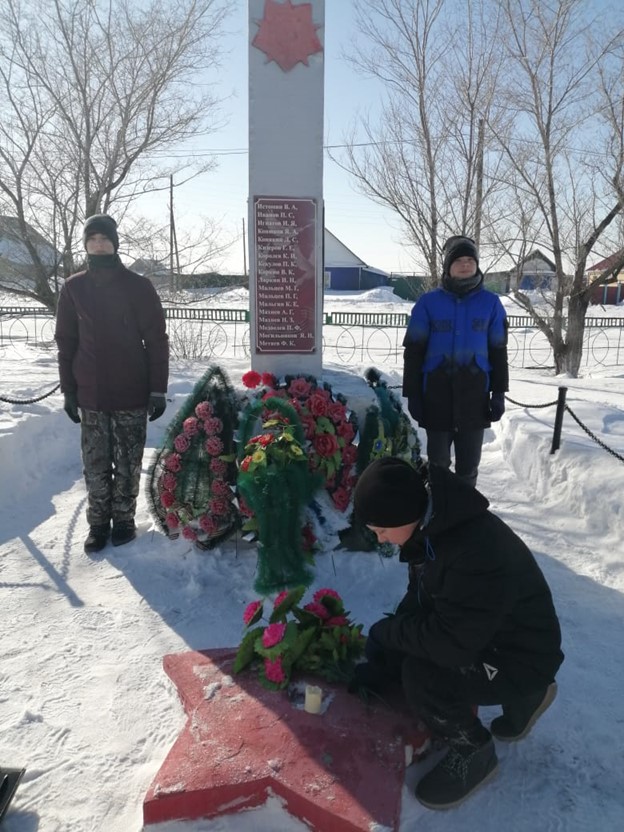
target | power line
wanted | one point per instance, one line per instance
(201, 153)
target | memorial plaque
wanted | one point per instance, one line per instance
(285, 230)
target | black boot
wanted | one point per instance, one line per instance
(467, 765)
(521, 715)
(97, 538)
(123, 532)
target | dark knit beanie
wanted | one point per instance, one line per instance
(101, 224)
(390, 493)
(456, 247)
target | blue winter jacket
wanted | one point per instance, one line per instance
(455, 356)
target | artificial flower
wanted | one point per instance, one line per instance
(273, 634)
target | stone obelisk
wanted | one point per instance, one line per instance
(286, 73)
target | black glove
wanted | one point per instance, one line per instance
(156, 405)
(414, 405)
(497, 406)
(71, 407)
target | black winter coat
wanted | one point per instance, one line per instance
(112, 342)
(479, 595)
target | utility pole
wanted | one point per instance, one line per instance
(244, 251)
(173, 241)
(171, 225)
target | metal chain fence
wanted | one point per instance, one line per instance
(348, 337)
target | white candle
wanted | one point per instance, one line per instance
(313, 699)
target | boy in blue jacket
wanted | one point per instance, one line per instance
(455, 372)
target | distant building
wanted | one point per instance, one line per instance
(610, 293)
(344, 270)
(16, 264)
(154, 269)
(535, 271)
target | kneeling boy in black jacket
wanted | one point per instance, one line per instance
(477, 625)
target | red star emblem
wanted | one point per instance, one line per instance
(342, 770)
(287, 33)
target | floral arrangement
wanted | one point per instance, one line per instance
(317, 638)
(329, 428)
(192, 482)
(387, 431)
(387, 428)
(275, 485)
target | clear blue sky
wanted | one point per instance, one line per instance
(368, 230)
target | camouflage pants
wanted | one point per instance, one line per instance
(112, 452)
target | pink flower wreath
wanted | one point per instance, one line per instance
(218, 513)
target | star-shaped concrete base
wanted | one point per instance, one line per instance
(342, 769)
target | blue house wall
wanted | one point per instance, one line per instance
(349, 278)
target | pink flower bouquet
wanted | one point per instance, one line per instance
(317, 638)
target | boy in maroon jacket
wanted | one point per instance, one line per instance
(113, 355)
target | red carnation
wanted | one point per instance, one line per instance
(173, 463)
(218, 467)
(167, 499)
(218, 506)
(172, 520)
(189, 533)
(269, 380)
(203, 410)
(169, 481)
(274, 671)
(213, 425)
(208, 524)
(273, 634)
(213, 446)
(220, 488)
(323, 593)
(190, 426)
(252, 379)
(252, 612)
(317, 609)
(181, 443)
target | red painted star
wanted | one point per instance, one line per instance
(287, 33)
(342, 770)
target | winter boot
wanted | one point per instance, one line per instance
(521, 715)
(97, 538)
(465, 767)
(123, 532)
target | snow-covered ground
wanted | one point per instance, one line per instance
(86, 707)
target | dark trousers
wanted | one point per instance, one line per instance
(467, 444)
(444, 698)
(112, 451)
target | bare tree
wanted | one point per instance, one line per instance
(564, 82)
(427, 155)
(92, 93)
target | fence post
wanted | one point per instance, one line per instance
(556, 440)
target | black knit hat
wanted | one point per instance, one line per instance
(456, 247)
(390, 493)
(101, 224)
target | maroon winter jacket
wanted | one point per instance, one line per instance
(113, 349)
